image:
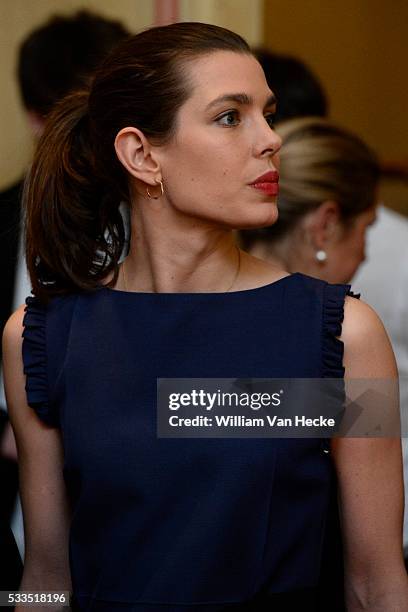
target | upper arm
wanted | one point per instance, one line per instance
(40, 457)
(369, 469)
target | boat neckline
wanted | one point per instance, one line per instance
(202, 293)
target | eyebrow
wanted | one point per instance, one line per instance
(240, 98)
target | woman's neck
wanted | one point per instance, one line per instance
(183, 257)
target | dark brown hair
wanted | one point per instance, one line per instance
(58, 56)
(319, 161)
(296, 87)
(75, 234)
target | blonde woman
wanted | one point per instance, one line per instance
(327, 200)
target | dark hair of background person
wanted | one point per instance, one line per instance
(58, 56)
(297, 89)
(320, 162)
(74, 230)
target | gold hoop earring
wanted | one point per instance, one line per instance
(152, 197)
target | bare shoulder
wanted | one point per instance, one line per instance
(367, 348)
(359, 317)
(13, 368)
(13, 330)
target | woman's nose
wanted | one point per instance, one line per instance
(269, 142)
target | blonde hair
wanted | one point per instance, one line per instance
(319, 162)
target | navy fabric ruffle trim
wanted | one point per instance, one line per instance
(333, 315)
(35, 361)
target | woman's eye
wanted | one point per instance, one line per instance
(229, 119)
(270, 119)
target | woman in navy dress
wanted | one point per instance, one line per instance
(179, 122)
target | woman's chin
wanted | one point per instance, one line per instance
(260, 218)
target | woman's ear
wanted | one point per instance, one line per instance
(323, 224)
(136, 154)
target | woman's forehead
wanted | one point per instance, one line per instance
(226, 72)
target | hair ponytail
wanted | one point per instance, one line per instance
(74, 230)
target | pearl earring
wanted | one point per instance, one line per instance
(321, 255)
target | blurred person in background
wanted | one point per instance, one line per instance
(327, 200)
(54, 59)
(296, 87)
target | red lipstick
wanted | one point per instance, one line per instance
(268, 183)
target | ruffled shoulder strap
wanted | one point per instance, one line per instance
(45, 339)
(35, 360)
(333, 315)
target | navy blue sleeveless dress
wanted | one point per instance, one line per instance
(184, 524)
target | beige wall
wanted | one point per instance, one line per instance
(17, 18)
(359, 49)
(242, 16)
